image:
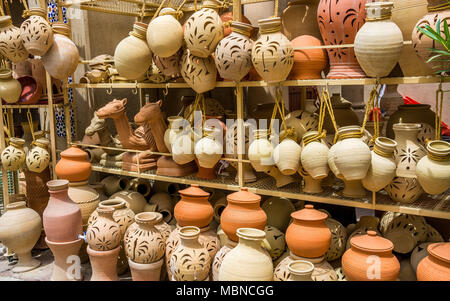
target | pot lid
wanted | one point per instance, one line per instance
(74, 152)
(371, 242)
(309, 214)
(194, 190)
(244, 196)
(440, 251)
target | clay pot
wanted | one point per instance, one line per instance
(31, 91)
(61, 60)
(278, 211)
(10, 88)
(218, 259)
(38, 73)
(218, 207)
(103, 234)
(272, 53)
(274, 242)
(141, 185)
(433, 170)
(338, 239)
(302, 122)
(314, 157)
(169, 66)
(36, 32)
(379, 42)
(164, 205)
(260, 151)
(308, 63)
(404, 190)
(12, 47)
(183, 148)
(113, 184)
(20, 229)
(436, 266)
(358, 265)
(175, 128)
(300, 270)
(86, 197)
(233, 53)
(248, 260)
(228, 17)
(209, 149)
(323, 271)
(13, 156)
(190, 261)
(243, 210)
(338, 23)
(408, 151)
(193, 209)
(62, 266)
(38, 158)
(204, 29)
(300, 18)
(199, 73)
(136, 201)
(103, 264)
(73, 165)
(132, 57)
(287, 156)
(164, 33)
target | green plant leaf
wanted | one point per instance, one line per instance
(434, 58)
(443, 52)
(446, 32)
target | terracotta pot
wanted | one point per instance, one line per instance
(408, 151)
(86, 197)
(36, 32)
(13, 156)
(228, 17)
(243, 210)
(260, 151)
(169, 66)
(272, 53)
(20, 228)
(31, 91)
(164, 205)
(103, 264)
(278, 211)
(136, 201)
(132, 56)
(103, 233)
(338, 23)
(146, 271)
(436, 266)
(199, 73)
(300, 18)
(113, 184)
(209, 149)
(62, 267)
(358, 265)
(73, 165)
(142, 186)
(302, 122)
(164, 33)
(193, 209)
(308, 63)
(379, 42)
(287, 156)
(323, 271)
(300, 270)
(10, 88)
(314, 157)
(12, 47)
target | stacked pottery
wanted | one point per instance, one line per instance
(272, 53)
(278, 211)
(302, 122)
(436, 266)
(11, 42)
(314, 156)
(300, 270)
(199, 73)
(38, 158)
(36, 33)
(308, 63)
(286, 155)
(132, 57)
(260, 151)
(300, 18)
(339, 21)
(73, 165)
(13, 156)
(10, 88)
(209, 149)
(164, 34)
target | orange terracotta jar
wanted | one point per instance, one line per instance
(193, 209)
(370, 258)
(436, 266)
(308, 63)
(308, 235)
(74, 165)
(242, 211)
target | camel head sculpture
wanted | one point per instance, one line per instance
(149, 111)
(95, 126)
(113, 109)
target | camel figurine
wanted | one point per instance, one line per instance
(98, 126)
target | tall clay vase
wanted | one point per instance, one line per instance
(20, 228)
(193, 209)
(260, 151)
(199, 73)
(132, 56)
(62, 217)
(248, 261)
(74, 165)
(433, 170)
(367, 250)
(379, 42)
(272, 53)
(13, 156)
(61, 60)
(36, 32)
(436, 266)
(164, 34)
(339, 21)
(308, 63)
(10, 88)
(11, 42)
(65, 254)
(408, 151)
(300, 18)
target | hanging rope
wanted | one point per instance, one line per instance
(321, 133)
(438, 118)
(199, 98)
(30, 122)
(158, 10)
(5, 117)
(279, 108)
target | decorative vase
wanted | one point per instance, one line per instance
(74, 165)
(323, 271)
(302, 122)
(169, 66)
(286, 155)
(339, 21)
(278, 211)
(209, 149)
(193, 209)
(175, 128)
(36, 32)
(113, 184)
(38, 157)
(11, 47)
(260, 151)
(86, 197)
(300, 270)
(272, 53)
(136, 201)
(408, 151)
(199, 73)
(404, 190)
(10, 88)
(13, 156)
(308, 63)
(61, 60)
(314, 157)
(436, 266)
(132, 57)
(164, 205)
(104, 234)
(338, 239)
(300, 18)
(164, 33)
(248, 260)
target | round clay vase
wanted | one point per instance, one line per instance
(272, 53)
(175, 128)
(300, 270)
(433, 170)
(164, 33)
(104, 234)
(370, 259)
(243, 210)
(308, 235)
(338, 239)
(10, 88)
(86, 197)
(233, 55)
(113, 184)
(136, 201)
(190, 261)
(286, 156)
(379, 42)
(132, 57)
(209, 149)
(308, 63)
(199, 73)
(314, 156)
(20, 229)
(13, 156)
(404, 190)
(204, 29)
(74, 165)
(323, 271)
(248, 261)
(339, 21)
(38, 158)
(300, 18)
(278, 211)
(260, 151)
(11, 47)
(36, 32)
(416, 113)
(61, 60)
(193, 209)
(302, 122)
(62, 218)
(436, 266)
(169, 66)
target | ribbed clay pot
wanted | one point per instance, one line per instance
(13, 156)
(260, 151)
(314, 156)
(74, 165)
(193, 209)
(11, 47)
(218, 259)
(10, 88)
(199, 73)
(36, 32)
(38, 158)
(436, 266)
(164, 33)
(308, 63)
(287, 156)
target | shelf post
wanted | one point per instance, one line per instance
(240, 132)
(4, 172)
(67, 113)
(51, 113)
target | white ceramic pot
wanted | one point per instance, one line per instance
(314, 157)
(209, 149)
(165, 34)
(183, 148)
(260, 151)
(286, 156)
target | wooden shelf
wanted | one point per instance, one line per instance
(35, 106)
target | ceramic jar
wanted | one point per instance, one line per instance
(379, 42)
(404, 190)
(164, 33)
(86, 197)
(132, 57)
(204, 29)
(314, 157)
(169, 66)
(199, 73)
(308, 235)
(300, 270)
(36, 32)
(73, 165)
(260, 151)
(61, 60)
(175, 128)
(209, 149)
(300, 18)
(20, 229)
(136, 201)
(433, 170)
(338, 239)
(323, 271)
(38, 158)
(286, 155)
(164, 204)
(370, 259)
(278, 211)
(104, 234)
(11, 47)
(220, 255)
(302, 122)
(190, 261)
(113, 184)
(233, 55)
(183, 148)
(272, 53)
(243, 210)
(408, 151)
(436, 266)
(382, 167)
(339, 21)
(248, 260)
(13, 156)
(10, 88)
(308, 63)
(62, 217)
(193, 209)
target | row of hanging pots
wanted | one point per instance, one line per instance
(36, 159)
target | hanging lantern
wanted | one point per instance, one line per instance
(199, 73)
(165, 34)
(38, 158)
(36, 32)
(11, 45)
